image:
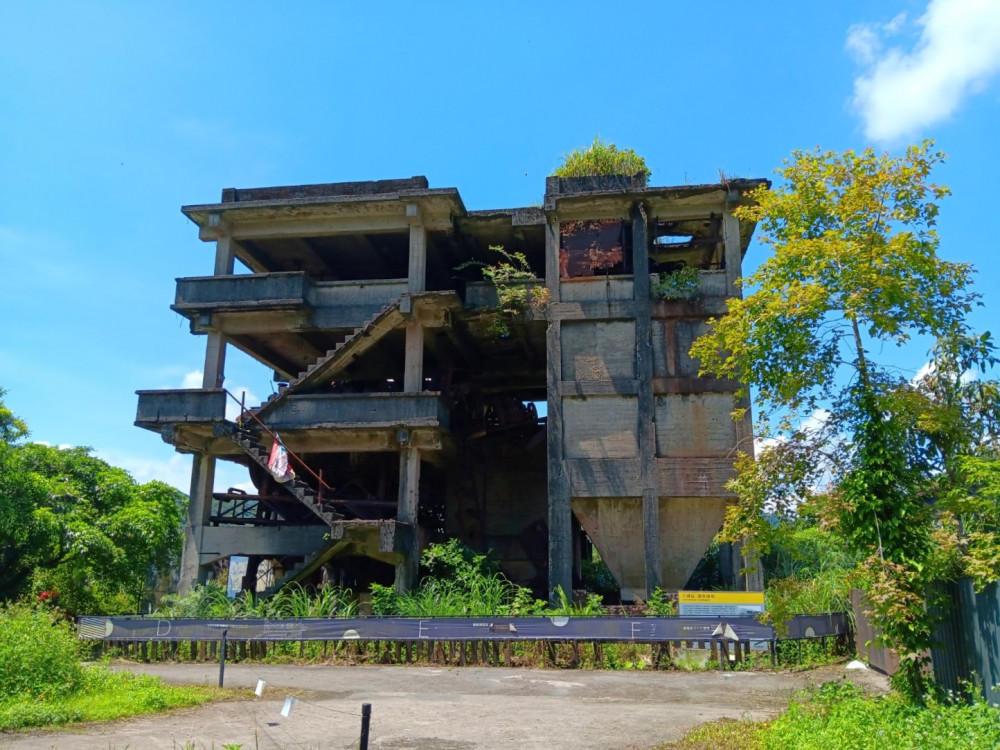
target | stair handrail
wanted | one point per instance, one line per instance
(245, 411)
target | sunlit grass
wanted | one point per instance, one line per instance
(838, 715)
(103, 696)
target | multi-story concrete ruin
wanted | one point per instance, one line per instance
(410, 416)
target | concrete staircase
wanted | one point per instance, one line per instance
(342, 355)
(302, 491)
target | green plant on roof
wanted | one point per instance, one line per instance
(602, 159)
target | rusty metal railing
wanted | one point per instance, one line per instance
(245, 412)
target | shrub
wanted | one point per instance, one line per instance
(680, 284)
(38, 653)
(602, 159)
(510, 277)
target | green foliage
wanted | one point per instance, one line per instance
(103, 695)
(592, 606)
(511, 277)
(38, 653)
(855, 270)
(459, 583)
(806, 571)
(854, 264)
(661, 604)
(839, 715)
(722, 734)
(292, 601)
(597, 577)
(79, 529)
(680, 284)
(602, 158)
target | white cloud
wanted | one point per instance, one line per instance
(900, 92)
(192, 380)
(175, 471)
(231, 475)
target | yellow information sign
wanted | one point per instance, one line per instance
(720, 602)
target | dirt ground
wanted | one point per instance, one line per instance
(444, 708)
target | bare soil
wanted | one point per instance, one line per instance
(445, 708)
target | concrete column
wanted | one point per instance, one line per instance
(203, 465)
(552, 258)
(213, 373)
(747, 573)
(560, 517)
(199, 510)
(644, 389)
(733, 251)
(225, 256)
(409, 499)
(418, 251)
(413, 372)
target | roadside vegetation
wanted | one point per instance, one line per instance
(44, 683)
(902, 472)
(839, 715)
(77, 532)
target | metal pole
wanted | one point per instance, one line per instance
(222, 658)
(366, 717)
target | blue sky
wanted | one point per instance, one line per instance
(113, 115)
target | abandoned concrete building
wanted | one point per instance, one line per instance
(409, 416)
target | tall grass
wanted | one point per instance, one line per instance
(292, 601)
(42, 681)
(839, 715)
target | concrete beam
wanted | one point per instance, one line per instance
(218, 542)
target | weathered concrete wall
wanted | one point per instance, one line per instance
(594, 350)
(695, 424)
(600, 427)
(596, 289)
(343, 410)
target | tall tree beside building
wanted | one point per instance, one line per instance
(77, 531)
(854, 273)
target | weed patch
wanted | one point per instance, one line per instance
(102, 696)
(838, 715)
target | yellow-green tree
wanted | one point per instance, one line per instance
(854, 273)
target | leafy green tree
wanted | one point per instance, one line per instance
(602, 159)
(854, 273)
(78, 530)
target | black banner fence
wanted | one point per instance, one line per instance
(460, 641)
